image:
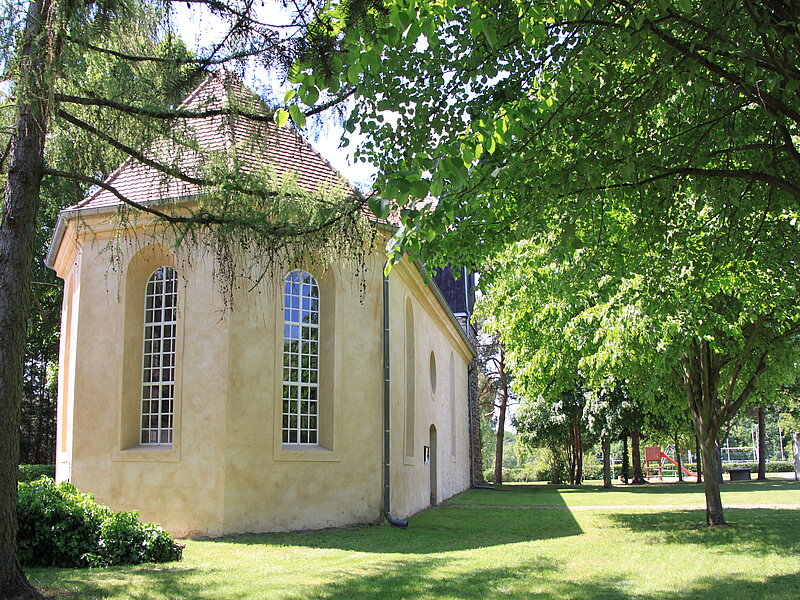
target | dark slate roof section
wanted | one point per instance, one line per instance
(459, 292)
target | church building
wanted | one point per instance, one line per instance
(321, 397)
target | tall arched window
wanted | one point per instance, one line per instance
(411, 381)
(300, 359)
(158, 356)
(452, 387)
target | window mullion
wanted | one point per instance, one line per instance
(300, 414)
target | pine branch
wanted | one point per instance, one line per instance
(161, 167)
(116, 192)
(205, 218)
(163, 114)
(202, 62)
(133, 153)
(222, 7)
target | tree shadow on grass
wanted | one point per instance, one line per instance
(754, 531)
(536, 579)
(429, 579)
(434, 531)
(134, 583)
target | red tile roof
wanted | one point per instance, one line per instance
(246, 143)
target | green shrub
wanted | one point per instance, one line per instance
(31, 472)
(780, 466)
(592, 468)
(61, 526)
(488, 475)
(512, 475)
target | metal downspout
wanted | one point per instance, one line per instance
(387, 484)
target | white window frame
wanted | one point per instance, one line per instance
(158, 358)
(301, 360)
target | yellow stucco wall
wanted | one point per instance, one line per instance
(227, 470)
(433, 334)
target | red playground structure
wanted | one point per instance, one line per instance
(654, 459)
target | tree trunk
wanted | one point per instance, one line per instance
(606, 461)
(577, 450)
(762, 444)
(498, 449)
(638, 476)
(38, 54)
(698, 460)
(571, 468)
(796, 455)
(626, 468)
(712, 407)
(711, 467)
(501, 420)
(678, 459)
(558, 467)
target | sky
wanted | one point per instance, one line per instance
(199, 28)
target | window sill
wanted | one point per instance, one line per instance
(165, 453)
(300, 453)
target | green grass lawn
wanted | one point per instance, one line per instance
(466, 551)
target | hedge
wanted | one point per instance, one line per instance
(31, 472)
(61, 526)
(591, 470)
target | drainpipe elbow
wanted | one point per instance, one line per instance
(395, 522)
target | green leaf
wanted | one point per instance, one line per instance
(491, 35)
(399, 184)
(281, 117)
(290, 93)
(392, 35)
(298, 117)
(353, 73)
(420, 188)
(380, 207)
(309, 95)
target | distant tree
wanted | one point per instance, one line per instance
(496, 394)
(611, 414)
(622, 312)
(557, 424)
